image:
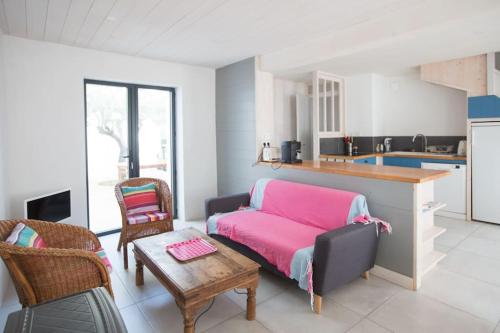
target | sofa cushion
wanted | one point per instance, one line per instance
(274, 237)
(316, 206)
(24, 236)
(101, 253)
(147, 217)
(140, 199)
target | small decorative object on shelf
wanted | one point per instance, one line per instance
(348, 145)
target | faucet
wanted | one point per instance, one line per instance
(424, 139)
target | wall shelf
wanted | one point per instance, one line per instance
(432, 206)
(431, 260)
(432, 232)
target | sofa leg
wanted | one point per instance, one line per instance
(366, 275)
(317, 303)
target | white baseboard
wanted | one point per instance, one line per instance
(394, 277)
(452, 215)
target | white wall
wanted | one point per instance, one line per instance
(264, 108)
(275, 108)
(285, 118)
(493, 73)
(496, 84)
(405, 105)
(45, 121)
(4, 276)
(377, 105)
(359, 101)
(3, 146)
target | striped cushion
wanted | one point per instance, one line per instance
(147, 217)
(104, 257)
(140, 199)
(24, 236)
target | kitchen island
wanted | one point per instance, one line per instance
(369, 171)
(402, 196)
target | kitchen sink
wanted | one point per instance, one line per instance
(420, 153)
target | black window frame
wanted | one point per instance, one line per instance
(133, 140)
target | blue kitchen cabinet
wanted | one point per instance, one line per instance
(369, 160)
(484, 107)
(403, 162)
(412, 162)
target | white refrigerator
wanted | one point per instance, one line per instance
(485, 155)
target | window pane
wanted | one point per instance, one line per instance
(155, 134)
(107, 151)
(321, 105)
(329, 115)
(336, 92)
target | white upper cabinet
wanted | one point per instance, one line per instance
(328, 108)
(328, 92)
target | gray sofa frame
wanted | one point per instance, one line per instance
(340, 256)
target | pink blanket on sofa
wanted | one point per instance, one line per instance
(284, 219)
(275, 238)
(321, 207)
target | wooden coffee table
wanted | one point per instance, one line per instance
(195, 282)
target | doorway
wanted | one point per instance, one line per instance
(130, 132)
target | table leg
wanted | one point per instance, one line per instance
(251, 303)
(139, 272)
(188, 321)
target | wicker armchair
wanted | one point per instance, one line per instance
(131, 232)
(67, 266)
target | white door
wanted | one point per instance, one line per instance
(486, 172)
(304, 125)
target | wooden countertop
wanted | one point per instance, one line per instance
(397, 154)
(392, 173)
(350, 157)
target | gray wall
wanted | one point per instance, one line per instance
(235, 126)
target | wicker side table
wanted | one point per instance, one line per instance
(90, 311)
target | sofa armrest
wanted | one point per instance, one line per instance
(226, 204)
(342, 255)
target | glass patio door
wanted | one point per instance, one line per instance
(155, 144)
(130, 133)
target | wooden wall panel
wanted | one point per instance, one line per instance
(467, 74)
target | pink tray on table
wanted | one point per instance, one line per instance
(190, 249)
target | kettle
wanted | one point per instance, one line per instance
(462, 148)
(388, 144)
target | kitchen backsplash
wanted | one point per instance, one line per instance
(367, 144)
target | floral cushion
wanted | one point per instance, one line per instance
(24, 236)
(147, 217)
(140, 199)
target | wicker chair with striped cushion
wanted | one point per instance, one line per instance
(68, 265)
(137, 221)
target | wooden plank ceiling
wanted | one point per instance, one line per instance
(218, 32)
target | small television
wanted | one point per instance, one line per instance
(52, 207)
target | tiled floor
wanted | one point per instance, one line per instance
(461, 295)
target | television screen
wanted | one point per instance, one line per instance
(53, 207)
